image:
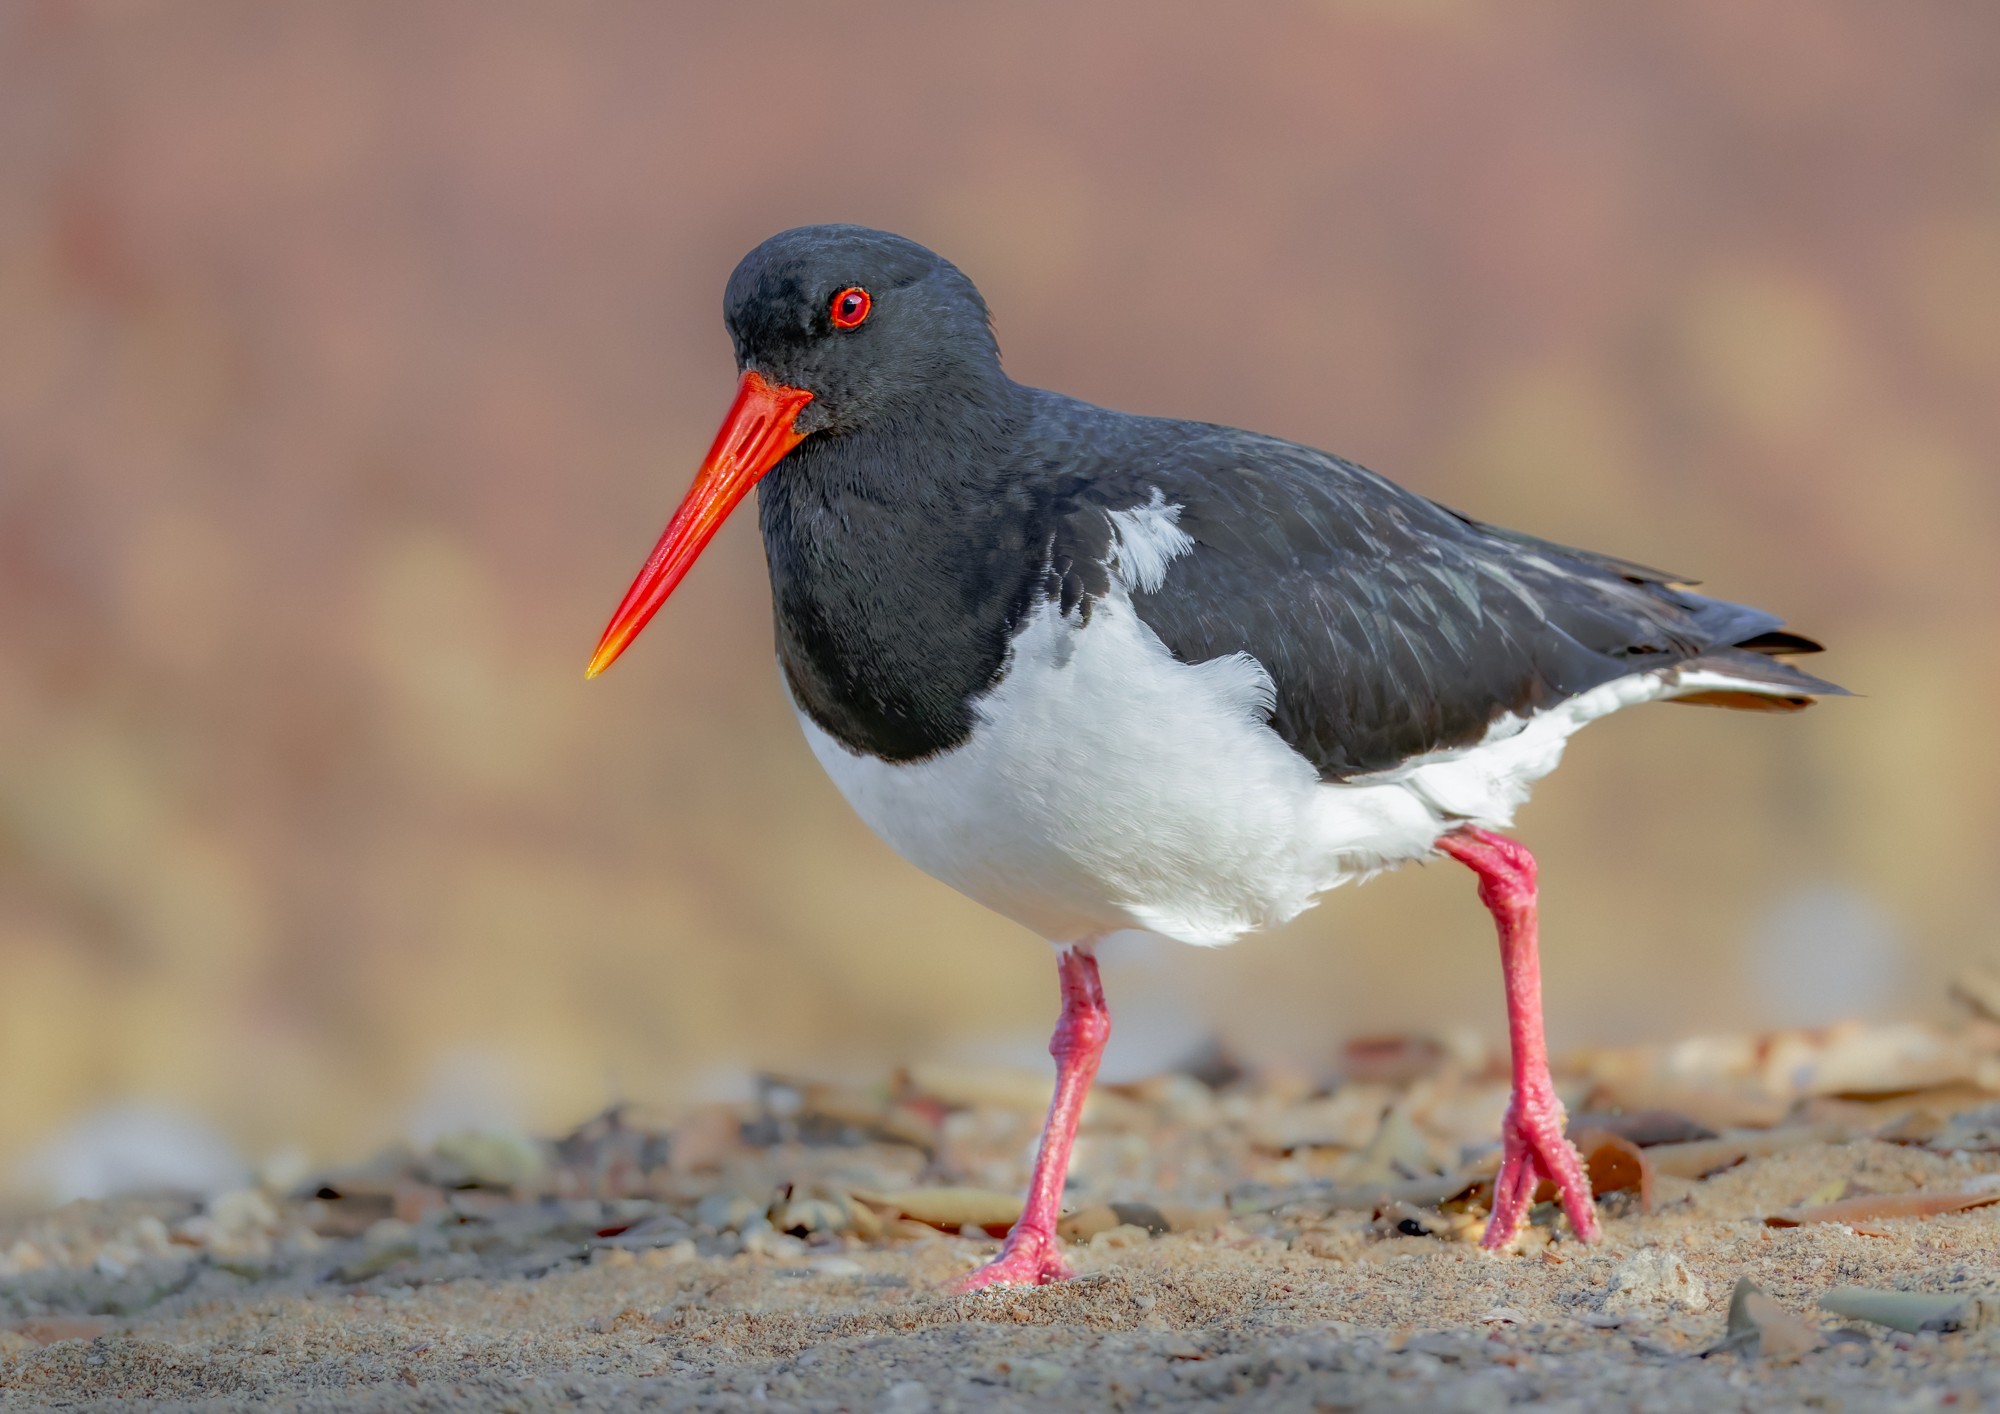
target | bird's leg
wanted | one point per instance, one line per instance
(1532, 1134)
(1033, 1253)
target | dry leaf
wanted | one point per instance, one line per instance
(1912, 1127)
(1864, 1207)
(1615, 1163)
(1392, 1060)
(949, 1207)
(1645, 1127)
(1702, 1157)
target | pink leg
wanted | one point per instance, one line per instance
(1033, 1253)
(1535, 1148)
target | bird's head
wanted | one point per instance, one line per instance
(836, 328)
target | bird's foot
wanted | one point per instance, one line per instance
(1534, 1152)
(1028, 1259)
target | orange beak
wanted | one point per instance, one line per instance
(755, 436)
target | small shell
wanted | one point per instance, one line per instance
(725, 1211)
(1760, 1325)
(1911, 1311)
(810, 1214)
(1124, 1235)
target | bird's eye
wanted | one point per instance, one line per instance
(850, 307)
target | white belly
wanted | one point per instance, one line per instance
(1107, 785)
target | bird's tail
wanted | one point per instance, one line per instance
(1752, 676)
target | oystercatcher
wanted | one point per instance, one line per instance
(1101, 671)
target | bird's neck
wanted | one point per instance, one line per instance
(899, 567)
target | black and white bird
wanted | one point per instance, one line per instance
(1101, 672)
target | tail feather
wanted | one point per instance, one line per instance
(1780, 641)
(1746, 677)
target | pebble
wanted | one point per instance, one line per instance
(1652, 1278)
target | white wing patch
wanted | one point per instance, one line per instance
(1148, 538)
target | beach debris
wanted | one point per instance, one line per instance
(485, 1158)
(1615, 1164)
(1913, 1311)
(1328, 1167)
(1871, 1207)
(1759, 1326)
(1918, 1126)
(949, 1207)
(1035, 1376)
(1023, 1091)
(1347, 1119)
(1392, 1060)
(235, 1226)
(1122, 1236)
(611, 1155)
(1652, 1278)
(1701, 1157)
(1975, 1131)
(804, 1212)
(1644, 1128)
(1755, 1079)
(1449, 1225)
(1400, 1147)
(412, 1201)
(704, 1138)
(728, 1211)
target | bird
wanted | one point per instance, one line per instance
(1103, 672)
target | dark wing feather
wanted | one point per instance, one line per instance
(1390, 625)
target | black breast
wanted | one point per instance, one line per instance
(900, 568)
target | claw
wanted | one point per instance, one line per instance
(1535, 1152)
(1028, 1259)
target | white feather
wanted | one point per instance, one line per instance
(1149, 538)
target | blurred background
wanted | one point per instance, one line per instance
(352, 357)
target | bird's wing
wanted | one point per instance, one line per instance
(1392, 626)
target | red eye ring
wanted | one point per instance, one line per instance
(850, 307)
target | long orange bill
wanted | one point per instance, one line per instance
(754, 437)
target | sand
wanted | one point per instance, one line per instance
(427, 1286)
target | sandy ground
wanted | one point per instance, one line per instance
(774, 1267)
